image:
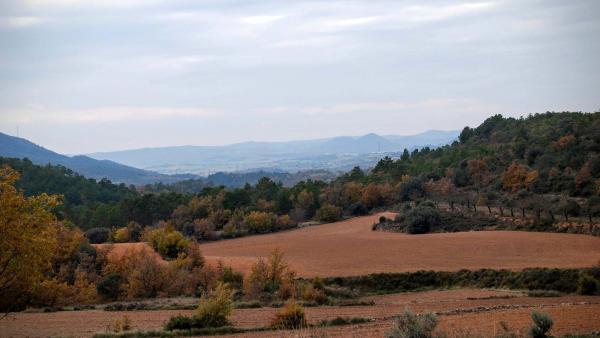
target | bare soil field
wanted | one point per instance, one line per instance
(568, 319)
(350, 247)
(481, 310)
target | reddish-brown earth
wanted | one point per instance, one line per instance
(572, 314)
(350, 247)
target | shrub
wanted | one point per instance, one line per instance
(542, 323)
(308, 292)
(421, 219)
(266, 278)
(285, 222)
(213, 311)
(180, 322)
(343, 321)
(587, 285)
(144, 274)
(121, 324)
(166, 241)
(97, 235)
(409, 325)
(52, 292)
(260, 222)
(358, 209)
(317, 283)
(134, 231)
(329, 213)
(121, 235)
(291, 317)
(109, 288)
(233, 278)
(562, 280)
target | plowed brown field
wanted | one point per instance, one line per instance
(572, 314)
(350, 247)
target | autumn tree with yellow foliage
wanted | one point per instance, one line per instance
(28, 240)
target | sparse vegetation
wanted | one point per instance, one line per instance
(561, 280)
(212, 312)
(588, 285)
(542, 324)
(290, 317)
(122, 324)
(409, 325)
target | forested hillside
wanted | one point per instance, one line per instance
(85, 200)
(543, 153)
(541, 166)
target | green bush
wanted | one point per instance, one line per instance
(109, 288)
(358, 209)
(97, 235)
(542, 323)
(180, 322)
(329, 213)
(561, 280)
(167, 241)
(233, 278)
(409, 325)
(421, 219)
(587, 285)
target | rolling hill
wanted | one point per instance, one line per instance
(15, 147)
(337, 153)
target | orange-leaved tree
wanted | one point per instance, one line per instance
(517, 177)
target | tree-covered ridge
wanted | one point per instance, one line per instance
(561, 149)
(57, 179)
(85, 200)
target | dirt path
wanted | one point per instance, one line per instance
(350, 248)
(570, 312)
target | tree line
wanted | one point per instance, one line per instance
(545, 165)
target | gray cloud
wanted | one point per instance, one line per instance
(135, 73)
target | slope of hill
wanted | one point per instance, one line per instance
(542, 153)
(337, 153)
(15, 147)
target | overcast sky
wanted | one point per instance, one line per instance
(85, 76)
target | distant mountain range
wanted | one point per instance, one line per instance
(337, 153)
(16, 147)
(173, 164)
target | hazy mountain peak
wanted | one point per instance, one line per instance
(16, 147)
(335, 153)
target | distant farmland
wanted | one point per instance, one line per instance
(351, 248)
